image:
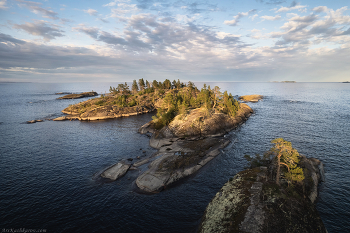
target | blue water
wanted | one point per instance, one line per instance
(48, 169)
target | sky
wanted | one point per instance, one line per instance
(123, 40)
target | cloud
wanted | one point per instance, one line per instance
(306, 19)
(91, 12)
(237, 18)
(271, 18)
(113, 3)
(147, 33)
(254, 16)
(7, 38)
(36, 9)
(301, 31)
(123, 9)
(294, 6)
(41, 28)
(320, 9)
(272, 2)
(3, 5)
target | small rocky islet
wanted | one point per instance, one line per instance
(76, 96)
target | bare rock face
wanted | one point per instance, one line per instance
(252, 202)
(116, 171)
(199, 123)
(77, 96)
(178, 160)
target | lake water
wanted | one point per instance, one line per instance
(48, 168)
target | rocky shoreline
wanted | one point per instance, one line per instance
(183, 152)
(105, 112)
(252, 202)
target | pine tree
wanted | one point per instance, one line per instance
(216, 95)
(135, 87)
(167, 84)
(141, 84)
(287, 156)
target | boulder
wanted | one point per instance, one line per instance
(116, 171)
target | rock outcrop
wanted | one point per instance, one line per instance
(251, 98)
(201, 123)
(185, 146)
(77, 96)
(34, 121)
(116, 171)
(252, 202)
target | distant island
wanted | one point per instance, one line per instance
(284, 81)
(346, 82)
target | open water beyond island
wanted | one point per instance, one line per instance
(48, 169)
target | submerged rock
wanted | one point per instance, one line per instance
(116, 171)
(252, 202)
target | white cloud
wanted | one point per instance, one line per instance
(254, 16)
(271, 18)
(285, 9)
(91, 12)
(36, 9)
(123, 9)
(113, 3)
(320, 9)
(237, 18)
(41, 28)
(3, 5)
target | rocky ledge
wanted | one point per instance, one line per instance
(252, 202)
(186, 145)
(77, 96)
(251, 98)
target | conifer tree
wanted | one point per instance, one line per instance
(141, 84)
(134, 87)
(167, 84)
(287, 156)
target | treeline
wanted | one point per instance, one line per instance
(144, 87)
(177, 98)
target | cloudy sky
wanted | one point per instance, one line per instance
(122, 40)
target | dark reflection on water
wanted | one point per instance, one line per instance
(48, 168)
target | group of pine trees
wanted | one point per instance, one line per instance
(177, 97)
(143, 87)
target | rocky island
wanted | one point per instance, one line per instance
(276, 194)
(77, 96)
(187, 130)
(251, 98)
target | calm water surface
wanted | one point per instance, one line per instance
(48, 169)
